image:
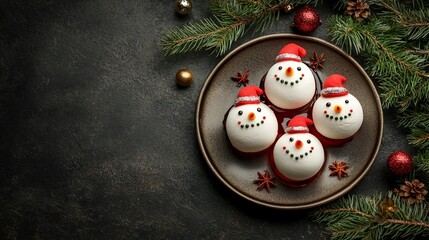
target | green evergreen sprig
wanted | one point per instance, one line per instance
(363, 217)
(414, 16)
(230, 21)
(387, 58)
(422, 163)
(417, 122)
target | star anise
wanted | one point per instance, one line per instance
(241, 78)
(339, 169)
(358, 8)
(265, 181)
(316, 62)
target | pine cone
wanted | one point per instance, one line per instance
(359, 9)
(412, 192)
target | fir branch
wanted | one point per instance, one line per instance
(420, 48)
(418, 51)
(348, 210)
(390, 6)
(390, 54)
(415, 20)
(230, 21)
(346, 33)
(421, 161)
(419, 137)
(399, 72)
(360, 217)
(415, 118)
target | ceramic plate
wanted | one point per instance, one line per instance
(238, 173)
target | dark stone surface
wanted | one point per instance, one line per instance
(98, 142)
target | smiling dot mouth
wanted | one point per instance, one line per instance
(300, 156)
(252, 125)
(338, 118)
(291, 82)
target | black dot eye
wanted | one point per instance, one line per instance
(280, 68)
(291, 139)
(258, 109)
(308, 141)
(298, 68)
(328, 104)
(347, 101)
(240, 113)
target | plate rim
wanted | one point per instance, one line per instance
(313, 204)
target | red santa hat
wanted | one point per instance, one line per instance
(299, 124)
(248, 95)
(292, 52)
(333, 86)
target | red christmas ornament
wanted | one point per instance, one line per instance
(306, 20)
(399, 163)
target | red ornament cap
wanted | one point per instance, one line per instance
(292, 52)
(248, 95)
(299, 124)
(333, 86)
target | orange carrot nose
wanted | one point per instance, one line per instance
(251, 116)
(337, 108)
(289, 71)
(298, 144)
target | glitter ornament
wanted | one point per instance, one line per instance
(306, 20)
(183, 7)
(399, 163)
(184, 77)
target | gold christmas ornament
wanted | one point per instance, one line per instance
(183, 7)
(387, 208)
(288, 8)
(184, 77)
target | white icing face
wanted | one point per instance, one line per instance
(289, 84)
(337, 117)
(251, 127)
(298, 156)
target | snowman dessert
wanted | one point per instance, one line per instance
(336, 113)
(289, 83)
(251, 125)
(298, 156)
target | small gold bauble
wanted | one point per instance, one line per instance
(184, 77)
(183, 7)
(288, 8)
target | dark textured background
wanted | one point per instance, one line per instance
(98, 142)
